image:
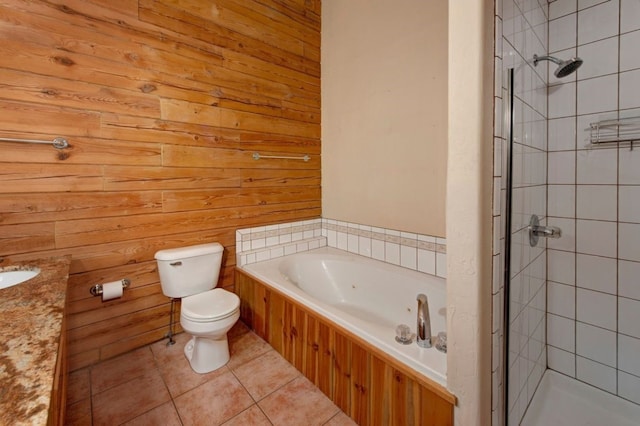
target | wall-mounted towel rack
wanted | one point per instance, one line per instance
(257, 156)
(59, 142)
(614, 131)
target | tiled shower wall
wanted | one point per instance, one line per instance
(594, 196)
(521, 32)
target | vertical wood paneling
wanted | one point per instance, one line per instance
(297, 338)
(360, 390)
(245, 291)
(380, 395)
(286, 328)
(341, 389)
(261, 312)
(371, 389)
(325, 361)
(276, 329)
(434, 411)
(163, 102)
(399, 389)
(312, 349)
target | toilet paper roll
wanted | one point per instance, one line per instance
(111, 290)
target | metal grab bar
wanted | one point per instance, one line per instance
(58, 143)
(257, 156)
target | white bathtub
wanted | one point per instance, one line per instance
(367, 297)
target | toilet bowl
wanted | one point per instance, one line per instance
(208, 317)
(207, 313)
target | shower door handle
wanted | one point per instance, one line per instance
(536, 231)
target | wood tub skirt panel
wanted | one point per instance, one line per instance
(367, 384)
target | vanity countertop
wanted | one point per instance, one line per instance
(31, 318)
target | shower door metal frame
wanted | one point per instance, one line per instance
(508, 125)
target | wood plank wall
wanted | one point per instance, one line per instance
(163, 102)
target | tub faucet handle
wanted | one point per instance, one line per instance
(403, 334)
(423, 334)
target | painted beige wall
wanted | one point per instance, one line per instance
(384, 113)
(469, 215)
(384, 147)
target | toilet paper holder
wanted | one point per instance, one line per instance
(96, 290)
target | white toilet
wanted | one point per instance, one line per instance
(207, 313)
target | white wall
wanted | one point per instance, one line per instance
(469, 219)
(384, 113)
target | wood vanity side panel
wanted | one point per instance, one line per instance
(370, 388)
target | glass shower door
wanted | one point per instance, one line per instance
(525, 247)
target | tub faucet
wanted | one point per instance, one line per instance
(423, 338)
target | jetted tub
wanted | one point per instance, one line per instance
(365, 296)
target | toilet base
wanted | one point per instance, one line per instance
(206, 354)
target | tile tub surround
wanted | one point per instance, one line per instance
(30, 324)
(423, 253)
(155, 385)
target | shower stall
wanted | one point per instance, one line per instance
(566, 333)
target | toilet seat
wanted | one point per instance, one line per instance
(210, 305)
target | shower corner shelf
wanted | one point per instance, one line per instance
(615, 131)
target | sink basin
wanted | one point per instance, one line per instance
(11, 278)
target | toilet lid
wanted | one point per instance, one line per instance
(210, 305)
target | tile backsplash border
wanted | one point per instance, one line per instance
(422, 253)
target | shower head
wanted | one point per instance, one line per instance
(564, 67)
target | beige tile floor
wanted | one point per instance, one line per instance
(155, 385)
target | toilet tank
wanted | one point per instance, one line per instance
(189, 270)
